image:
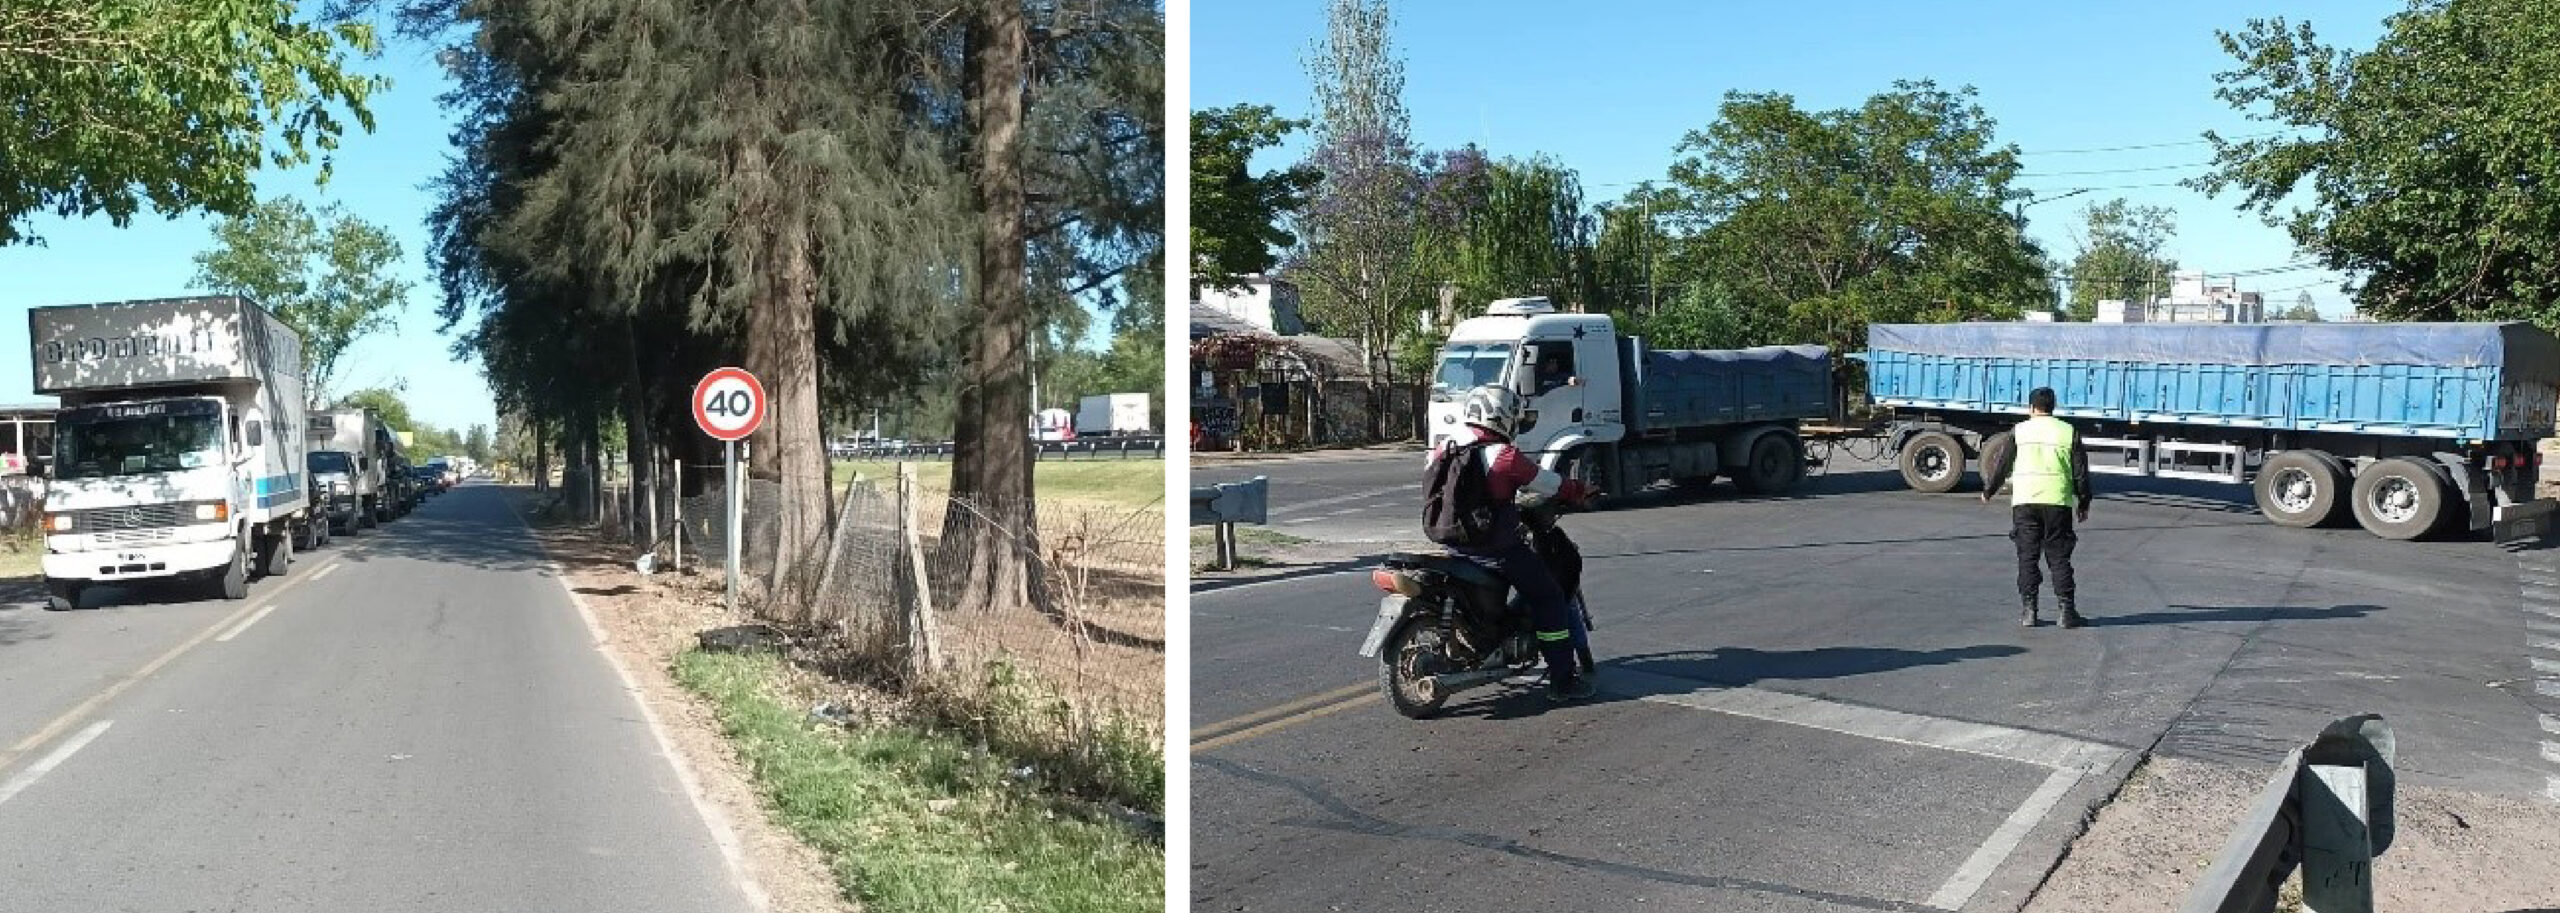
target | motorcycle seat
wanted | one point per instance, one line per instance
(1457, 568)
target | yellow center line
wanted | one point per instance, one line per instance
(81, 711)
(1237, 729)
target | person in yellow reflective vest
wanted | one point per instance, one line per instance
(2048, 472)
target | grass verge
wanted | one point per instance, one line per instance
(917, 820)
(1108, 482)
(21, 555)
(1204, 545)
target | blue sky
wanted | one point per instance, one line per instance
(379, 178)
(1608, 88)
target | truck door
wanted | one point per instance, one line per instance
(1559, 390)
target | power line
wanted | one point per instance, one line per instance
(2047, 174)
(2192, 142)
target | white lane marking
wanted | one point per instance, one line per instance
(2020, 745)
(2551, 789)
(46, 764)
(246, 622)
(2551, 752)
(235, 631)
(2550, 724)
(723, 834)
(1300, 507)
(2545, 666)
(2539, 626)
(2543, 643)
(2547, 687)
(2553, 611)
(1995, 850)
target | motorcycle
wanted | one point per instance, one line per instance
(1448, 625)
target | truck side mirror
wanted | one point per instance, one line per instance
(1524, 372)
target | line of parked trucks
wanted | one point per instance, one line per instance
(184, 451)
(2409, 429)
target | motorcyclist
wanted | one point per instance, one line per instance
(1493, 415)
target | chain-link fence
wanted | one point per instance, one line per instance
(965, 595)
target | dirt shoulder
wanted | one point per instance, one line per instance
(646, 621)
(2454, 852)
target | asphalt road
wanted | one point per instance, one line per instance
(1823, 701)
(414, 719)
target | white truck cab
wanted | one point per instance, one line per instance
(1564, 366)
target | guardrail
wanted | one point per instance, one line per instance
(1226, 504)
(2326, 811)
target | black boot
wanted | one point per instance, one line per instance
(2027, 615)
(2070, 612)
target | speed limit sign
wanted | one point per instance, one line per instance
(728, 404)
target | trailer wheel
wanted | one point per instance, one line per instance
(2301, 488)
(1932, 462)
(1775, 465)
(2399, 498)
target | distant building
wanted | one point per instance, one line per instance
(2037, 316)
(2194, 297)
(1261, 302)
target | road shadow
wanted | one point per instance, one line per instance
(2187, 614)
(1906, 540)
(18, 624)
(472, 526)
(1313, 569)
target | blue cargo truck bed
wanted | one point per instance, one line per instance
(2467, 382)
(1695, 388)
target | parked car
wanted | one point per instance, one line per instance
(430, 479)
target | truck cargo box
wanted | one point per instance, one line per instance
(2463, 381)
(1686, 388)
(161, 342)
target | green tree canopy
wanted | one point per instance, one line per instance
(1235, 214)
(115, 105)
(386, 405)
(328, 275)
(2121, 256)
(1805, 226)
(2425, 164)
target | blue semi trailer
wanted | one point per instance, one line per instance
(2409, 428)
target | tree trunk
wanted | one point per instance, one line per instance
(782, 352)
(541, 456)
(641, 524)
(985, 553)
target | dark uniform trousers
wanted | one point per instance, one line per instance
(2043, 530)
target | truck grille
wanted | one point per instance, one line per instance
(135, 536)
(106, 520)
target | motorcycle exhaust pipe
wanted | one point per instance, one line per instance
(1453, 682)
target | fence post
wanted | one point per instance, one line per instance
(835, 552)
(922, 649)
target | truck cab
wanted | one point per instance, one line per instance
(154, 488)
(1566, 368)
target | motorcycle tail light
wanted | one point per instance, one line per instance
(2498, 463)
(1393, 582)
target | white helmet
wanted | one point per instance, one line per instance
(1494, 408)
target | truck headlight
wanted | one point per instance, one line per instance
(60, 523)
(215, 512)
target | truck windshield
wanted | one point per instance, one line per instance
(1464, 367)
(330, 461)
(133, 446)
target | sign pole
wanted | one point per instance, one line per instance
(677, 539)
(729, 521)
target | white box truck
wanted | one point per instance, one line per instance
(1112, 413)
(347, 468)
(179, 452)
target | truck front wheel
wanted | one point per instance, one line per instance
(1775, 465)
(1932, 461)
(61, 595)
(2399, 498)
(276, 557)
(232, 582)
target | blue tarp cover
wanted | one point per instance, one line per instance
(2523, 352)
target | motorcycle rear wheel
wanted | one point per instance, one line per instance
(1413, 652)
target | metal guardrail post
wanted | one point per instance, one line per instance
(2327, 811)
(1227, 504)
